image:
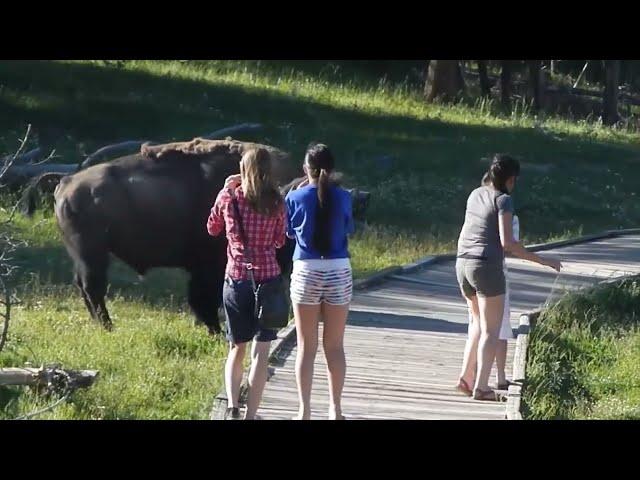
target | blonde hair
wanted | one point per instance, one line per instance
(257, 182)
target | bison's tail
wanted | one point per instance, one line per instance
(31, 194)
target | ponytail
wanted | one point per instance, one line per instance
(320, 164)
(323, 186)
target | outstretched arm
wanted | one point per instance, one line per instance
(515, 248)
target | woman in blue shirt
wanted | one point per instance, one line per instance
(319, 218)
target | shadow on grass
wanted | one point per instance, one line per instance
(50, 268)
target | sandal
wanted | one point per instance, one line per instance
(232, 413)
(505, 386)
(485, 395)
(463, 387)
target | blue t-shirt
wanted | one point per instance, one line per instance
(301, 214)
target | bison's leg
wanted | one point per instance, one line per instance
(205, 296)
(87, 303)
(92, 263)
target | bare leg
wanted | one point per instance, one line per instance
(233, 373)
(306, 317)
(335, 320)
(469, 360)
(257, 377)
(491, 310)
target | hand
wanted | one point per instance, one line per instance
(233, 181)
(553, 263)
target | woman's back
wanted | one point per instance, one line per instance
(480, 235)
(302, 205)
(264, 233)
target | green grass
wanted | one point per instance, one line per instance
(419, 162)
(154, 365)
(584, 354)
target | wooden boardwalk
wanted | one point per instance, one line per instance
(405, 337)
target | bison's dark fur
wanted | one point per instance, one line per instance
(150, 210)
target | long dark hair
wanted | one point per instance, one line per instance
(502, 168)
(320, 164)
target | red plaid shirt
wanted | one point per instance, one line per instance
(265, 234)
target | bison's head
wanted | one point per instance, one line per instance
(360, 198)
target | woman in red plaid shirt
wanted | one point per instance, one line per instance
(264, 218)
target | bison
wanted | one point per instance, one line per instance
(150, 210)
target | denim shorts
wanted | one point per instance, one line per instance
(242, 324)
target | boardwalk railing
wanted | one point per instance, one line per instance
(527, 323)
(514, 395)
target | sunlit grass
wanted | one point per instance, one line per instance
(584, 354)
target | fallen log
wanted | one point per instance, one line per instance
(35, 377)
(29, 157)
(233, 130)
(18, 175)
(108, 151)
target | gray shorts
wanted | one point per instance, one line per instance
(480, 277)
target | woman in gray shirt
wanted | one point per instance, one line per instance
(485, 237)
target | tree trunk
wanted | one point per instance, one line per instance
(485, 86)
(444, 80)
(505, 84)
(610, 96)
(535, 87)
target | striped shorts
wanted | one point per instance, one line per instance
(317, 281)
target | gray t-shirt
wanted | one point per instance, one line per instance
(480, 235)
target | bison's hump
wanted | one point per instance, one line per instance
(202, 146)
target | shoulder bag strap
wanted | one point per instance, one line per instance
(244, 240)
